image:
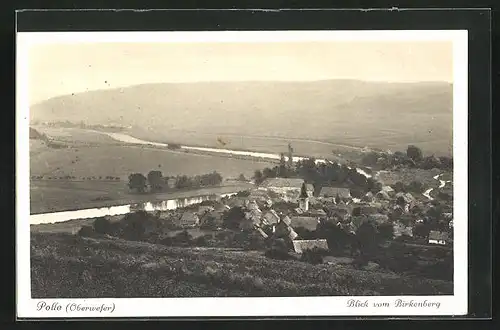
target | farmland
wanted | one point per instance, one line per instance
(70, 266)
(47, 196)
(93, 155)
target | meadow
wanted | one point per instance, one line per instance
(68, 266)
(88, 154)
(54, 196)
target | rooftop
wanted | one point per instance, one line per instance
(282, 183)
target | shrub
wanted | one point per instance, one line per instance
(86, 231)
(279, 250)
(278, 254)
(102, 226)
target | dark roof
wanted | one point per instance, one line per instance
(438, 235)
(189, 218)
(282, 183)
(301, 245)
(309, 223)
(334, 191)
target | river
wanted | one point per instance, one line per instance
(169, 204)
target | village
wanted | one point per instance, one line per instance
(292, 218)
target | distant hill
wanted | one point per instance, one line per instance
(339, 111)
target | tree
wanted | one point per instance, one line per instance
(242, 177)
(258, 177)
(282, 169)
(414, 153)
(102, 226)
(386, 231)
(233, 217)
(336, 237)
(367, 239)
(137, 182)
(155, 180)
(135, 225)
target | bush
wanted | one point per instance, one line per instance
(86, 231)
(278, 254)
(102, 226)
(279, 250)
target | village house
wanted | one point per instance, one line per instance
(300, 246)
(215, 217)
(282, 185)
(309, 223)
(339, 213)
(438, 237)
(368, 197)
(383, 195)
(401, 229)
(316, 212)
(334, 192)
(270, 217)
(358, 221)
(189, 219)
(171, 182)
(388, 190)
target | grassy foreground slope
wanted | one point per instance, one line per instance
(65, 266)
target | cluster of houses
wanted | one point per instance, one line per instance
(283, 205)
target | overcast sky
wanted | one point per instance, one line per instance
(60, 69)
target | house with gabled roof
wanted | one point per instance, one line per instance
(300, 246)
(189, 219)
(438, 237)
(270, 217)
(281, 185)
(306, 222)
(401, 229)
(333, 192)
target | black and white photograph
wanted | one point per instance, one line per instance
(316, 172)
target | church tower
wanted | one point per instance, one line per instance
(290, 156)
(304, 198)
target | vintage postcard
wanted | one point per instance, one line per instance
(214, 174)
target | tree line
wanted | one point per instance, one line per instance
(412, 158)
(156, 182)
(320, 174)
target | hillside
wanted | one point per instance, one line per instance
(97, 268)
(383, 115)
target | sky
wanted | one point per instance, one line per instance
(60, 69)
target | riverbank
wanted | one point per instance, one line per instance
(66, 198)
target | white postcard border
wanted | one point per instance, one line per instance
(265, 306)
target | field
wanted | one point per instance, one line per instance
(96, 155)
(120, 160)
(253, 114)
(67, 266)
(407, 175)
(54, 196)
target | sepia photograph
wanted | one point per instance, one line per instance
(269, 165)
